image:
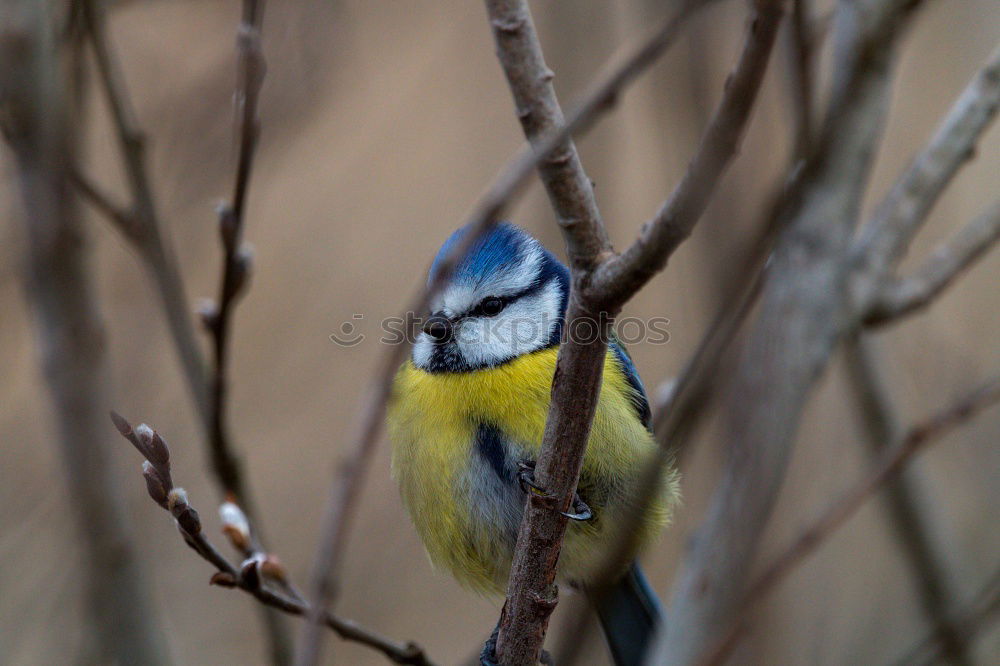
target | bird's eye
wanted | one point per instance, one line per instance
(491, 306)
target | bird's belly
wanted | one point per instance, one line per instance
(466, 502)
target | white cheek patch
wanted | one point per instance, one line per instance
(522, 327)
(423, 349)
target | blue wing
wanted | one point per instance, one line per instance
(638, 397)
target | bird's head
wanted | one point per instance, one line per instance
(506, 298)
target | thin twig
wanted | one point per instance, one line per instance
(143, 228)
(836, 514)
(255, 574)
(902, 495)
(121, 217)
(801, 49)
(236, 261)
(905, 296)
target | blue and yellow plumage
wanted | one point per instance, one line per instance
(469, 410)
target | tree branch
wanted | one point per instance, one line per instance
(38, 95)
(836, 514)
(619, 278)
(531, 593)
(901, 215)
(236, 260)
(259, 571)
(145, 229)
(570, 190)
(802, 312)
(902, 495)
(902, 297)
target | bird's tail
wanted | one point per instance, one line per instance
(629, 614)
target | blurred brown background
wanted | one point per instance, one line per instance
(381, 122)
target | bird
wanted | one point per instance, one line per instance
(466, 418)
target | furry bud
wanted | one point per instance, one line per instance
(154, 484)
(235, 525)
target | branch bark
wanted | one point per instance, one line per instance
(37, 98)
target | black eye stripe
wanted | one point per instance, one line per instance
(478, 310)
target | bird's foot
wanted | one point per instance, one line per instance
(526, 478)
(580, 511)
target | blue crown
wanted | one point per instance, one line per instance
(499, 249)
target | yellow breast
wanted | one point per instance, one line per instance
(433, 420)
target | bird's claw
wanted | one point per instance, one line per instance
(526, 478)
(580, 511)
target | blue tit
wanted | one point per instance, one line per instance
(466, 421)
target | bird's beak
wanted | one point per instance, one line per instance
(439, 327)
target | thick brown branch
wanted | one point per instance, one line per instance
(257, 573)
(948, 262)
(834, 516)
(570, 190)
(531, 591)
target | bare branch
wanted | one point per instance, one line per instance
(691, 394)
(837, 513)
(802, 311)
(237, 259)
(37, 108)
(801, 51)
(569, 189)
(122, 218)
(949, 261)
(620, 277)
(531, 593)
(915, 539)
(146, 227)
(259, 571)
(901, 215)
